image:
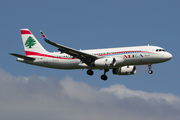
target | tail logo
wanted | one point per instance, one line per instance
(30, 42)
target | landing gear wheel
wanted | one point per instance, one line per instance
(90, 72)
(104, 77)
(150, 72)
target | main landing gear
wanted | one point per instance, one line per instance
(103, 77)
(90, 72)
(150, 71)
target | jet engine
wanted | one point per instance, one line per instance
(126, 70)
(108, 62)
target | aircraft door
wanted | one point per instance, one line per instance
(147, 50)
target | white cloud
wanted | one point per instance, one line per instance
(122, 92)
(36, 97)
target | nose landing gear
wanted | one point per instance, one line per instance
(150, 71)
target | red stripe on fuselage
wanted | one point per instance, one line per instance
(30, 53)
(148, 52)
(25, 32)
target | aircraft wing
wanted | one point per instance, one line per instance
(84, 57)
(22, 56)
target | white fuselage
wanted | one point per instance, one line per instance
(138, 55)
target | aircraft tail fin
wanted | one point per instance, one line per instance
(31, 44)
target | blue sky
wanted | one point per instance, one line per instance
(83, 24)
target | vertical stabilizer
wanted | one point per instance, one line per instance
(31, 44)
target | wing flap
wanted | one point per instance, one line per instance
(85, 57)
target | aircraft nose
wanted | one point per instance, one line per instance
(168, 56)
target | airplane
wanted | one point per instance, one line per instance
(121, 60)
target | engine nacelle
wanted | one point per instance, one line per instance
(126, 70)
(108, 62)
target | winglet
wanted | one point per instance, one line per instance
(44, 36)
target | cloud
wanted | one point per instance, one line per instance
(37, 97)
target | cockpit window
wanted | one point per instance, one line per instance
(159, 50)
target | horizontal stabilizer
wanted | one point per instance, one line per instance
(22, 56)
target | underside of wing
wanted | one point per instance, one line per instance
(84, 57)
